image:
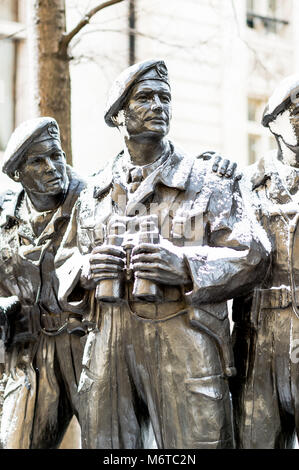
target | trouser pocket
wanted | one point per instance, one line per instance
(209, 409)
(18, 410)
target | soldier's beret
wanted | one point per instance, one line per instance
(148, 69)
(25, 135)
(286, 92)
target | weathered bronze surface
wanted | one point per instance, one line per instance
(159, 346)
(143, 260)
(43, 357)
(266, 333)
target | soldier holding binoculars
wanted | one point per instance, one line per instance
(158, 349)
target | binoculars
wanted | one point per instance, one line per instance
(113, 290)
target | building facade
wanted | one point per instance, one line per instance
(224, 58)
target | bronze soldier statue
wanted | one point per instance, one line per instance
(44, 358)
(266, 333)
(163, 244)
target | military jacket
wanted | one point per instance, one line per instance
(224, 256)
(275, 195)
(27, 261)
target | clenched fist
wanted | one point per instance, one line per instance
(161, 264)
(106, 262)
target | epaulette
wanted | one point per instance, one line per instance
(7, 208)
(206, 155)
(6, 197)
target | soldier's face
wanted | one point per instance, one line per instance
(148, 109)
(44, 169)
(286, 125)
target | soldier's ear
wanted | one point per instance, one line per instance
(16, 176)
(115, 121)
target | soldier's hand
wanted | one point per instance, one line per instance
(222, 166)
(106, 262)
(159, 264)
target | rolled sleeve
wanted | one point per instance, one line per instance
(236, 255)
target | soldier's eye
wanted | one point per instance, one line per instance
(142, 98)
(55, 156)
(165, 99)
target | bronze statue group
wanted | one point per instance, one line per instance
(114, 292)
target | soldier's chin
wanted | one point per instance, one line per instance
(157, 126)
(54, 187)
(155, 132)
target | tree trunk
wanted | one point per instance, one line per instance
(51, 69)
(53, 95)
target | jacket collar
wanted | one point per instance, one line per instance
(282, 179)
(262, 170)
(174, 173)
(10, 215)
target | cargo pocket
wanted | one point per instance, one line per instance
(18, 410)
(209, 403)
(210, 387)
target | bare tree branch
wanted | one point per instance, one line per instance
(257, 59)
(156, 38)
(67, 37)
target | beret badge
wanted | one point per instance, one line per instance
(53, 131)
(162, 71)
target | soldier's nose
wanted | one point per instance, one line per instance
(156, 104)
(49, 165)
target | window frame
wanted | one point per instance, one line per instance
(12, 31)
(260, 15)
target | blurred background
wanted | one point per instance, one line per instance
(224, 59)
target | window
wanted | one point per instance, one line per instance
(250, 11)
(255, 109)
(272, 7)
(259, 140)
(264, 15)
(253, 148)
(7, 84)
(272, 143)
(8, 16)
(272, 25)
(8, 10)
(250, 6)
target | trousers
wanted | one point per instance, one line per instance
(266, 389)
(41, 397)
(167, 372)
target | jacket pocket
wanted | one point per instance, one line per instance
(209, 408)
(210, 387)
